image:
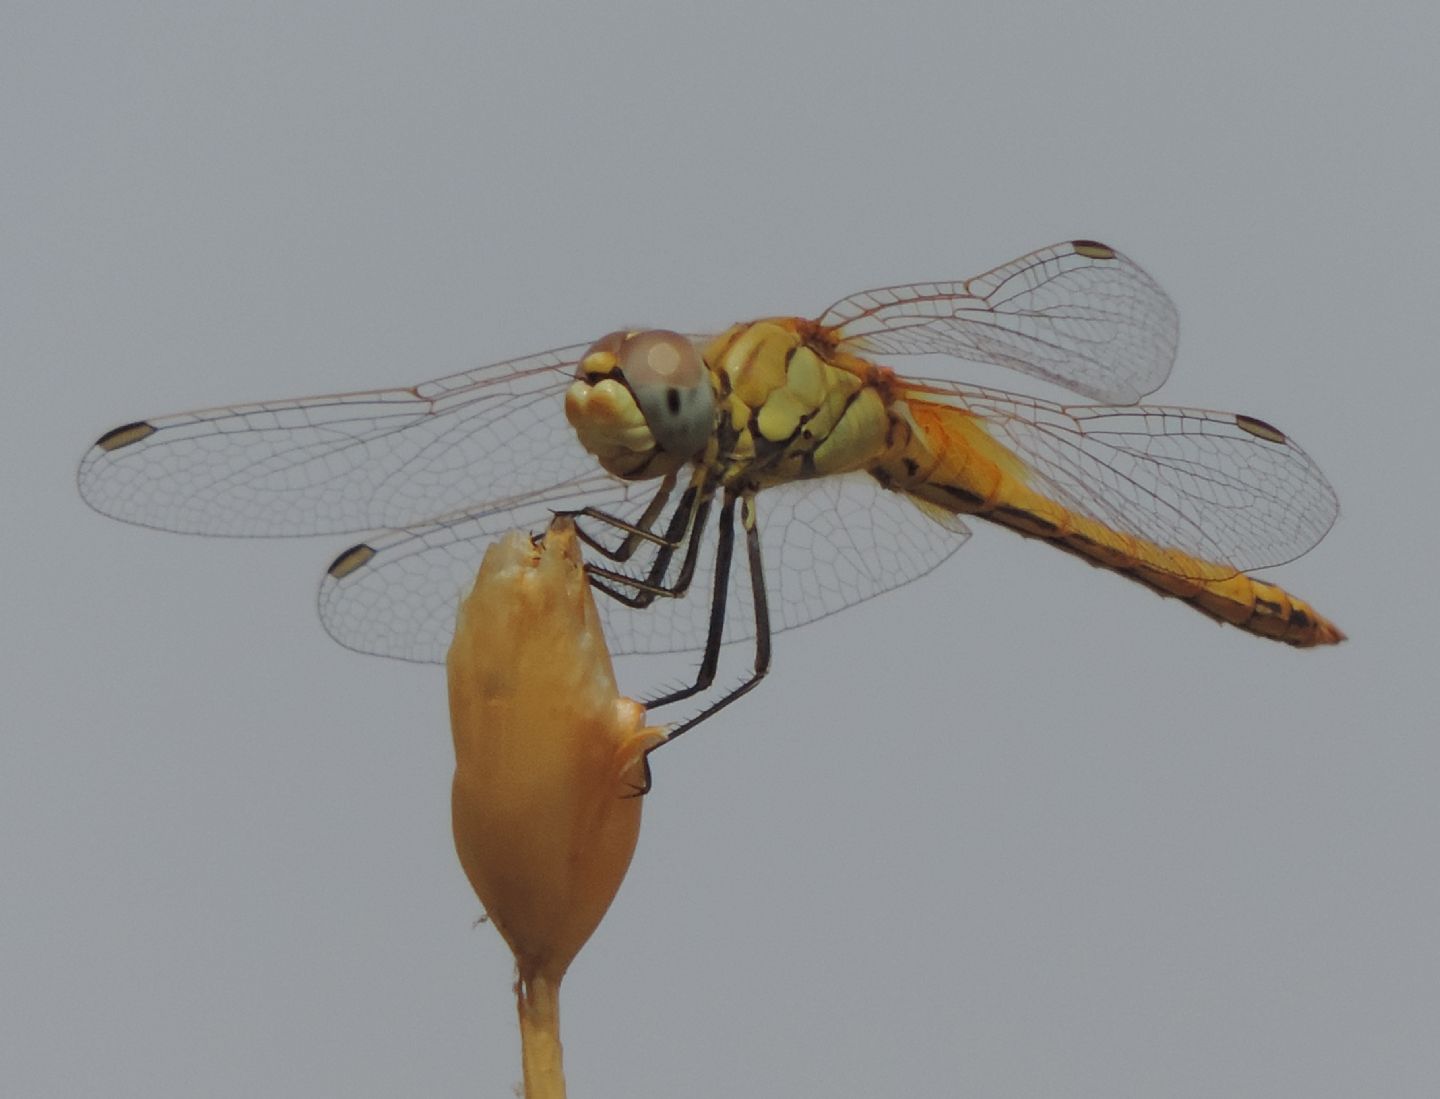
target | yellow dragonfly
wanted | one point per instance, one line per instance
(844, 477)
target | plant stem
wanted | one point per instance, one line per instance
(538, 999)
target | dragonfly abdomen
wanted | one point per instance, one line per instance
(1251, 604)
(952, 462)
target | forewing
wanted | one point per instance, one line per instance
(1221, 487)
(1078, 314)
(344, 463)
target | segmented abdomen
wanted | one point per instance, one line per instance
(953, 463)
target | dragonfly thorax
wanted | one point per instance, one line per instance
(795, 408)
(642, 402)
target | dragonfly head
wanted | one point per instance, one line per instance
(642, 402)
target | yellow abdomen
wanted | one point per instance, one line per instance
(955, 464)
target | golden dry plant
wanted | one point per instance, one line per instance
(548, 762)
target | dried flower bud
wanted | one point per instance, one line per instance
(548, 757)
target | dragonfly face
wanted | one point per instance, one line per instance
(642, 403)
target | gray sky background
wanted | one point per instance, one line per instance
(1020, 828)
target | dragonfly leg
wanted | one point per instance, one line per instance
(637, 532)
(688, 522)
(717, 622)
(724, 552)
(712, 646)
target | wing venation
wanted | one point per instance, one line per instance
(1209, 484)
(1078, 314)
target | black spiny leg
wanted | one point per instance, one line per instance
(635, 533)
(724, 551)
(688, 522)
(717, 619)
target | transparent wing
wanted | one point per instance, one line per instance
(1219, 486)
(826, 545)
(397, 593)
(1078, 314)
(344, 463)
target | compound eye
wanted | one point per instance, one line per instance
(672, 388)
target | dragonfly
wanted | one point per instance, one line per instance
(842, 478)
